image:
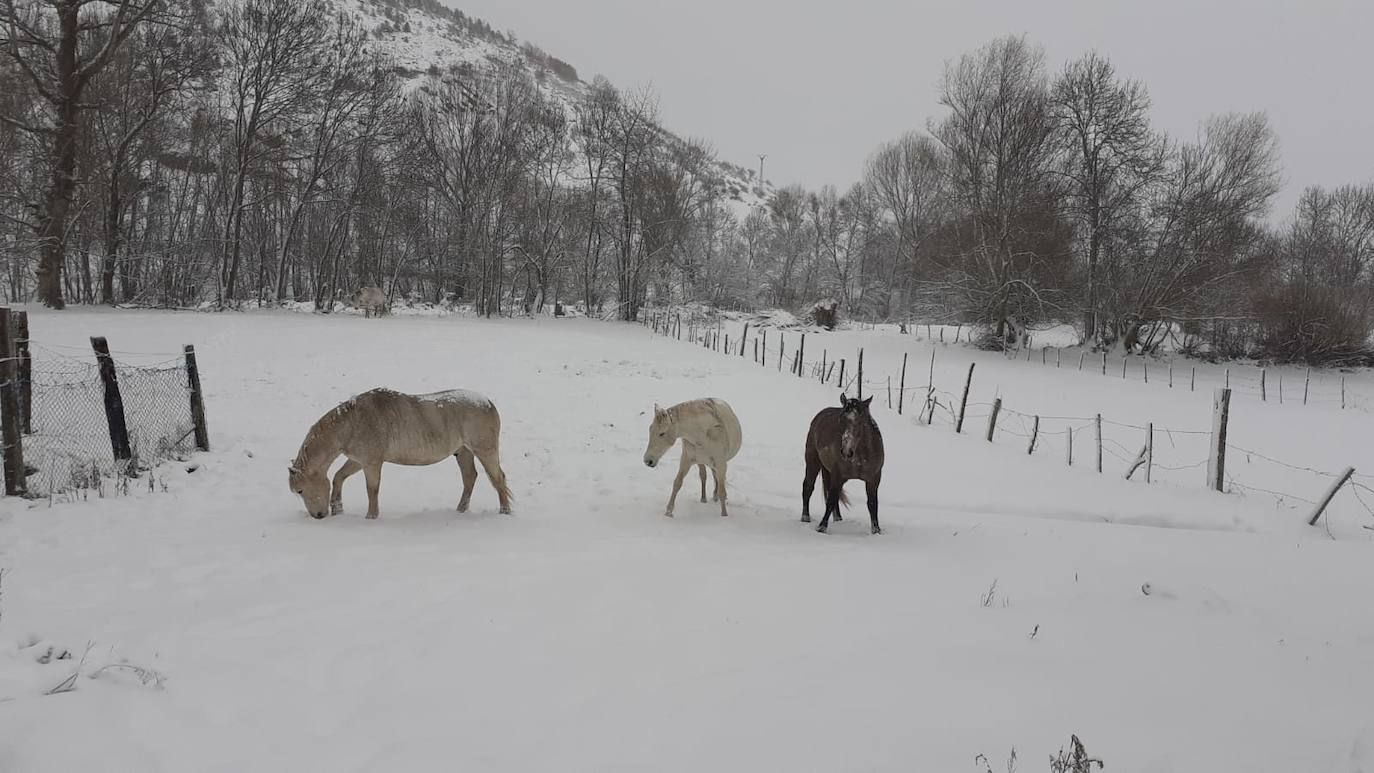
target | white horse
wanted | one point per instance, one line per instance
(711, 437)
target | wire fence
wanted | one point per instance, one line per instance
(89, 431)
(1172, 454)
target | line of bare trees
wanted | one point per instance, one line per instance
(154, 152)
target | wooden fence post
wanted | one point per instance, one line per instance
(742, 338)
(11, 425)
(1331, 492)
(1097, 426)
(1342, 393)
(963, 402)
(1171, 374)
(843, 388)
(21, 346)
(992, 417)
(1192, 381)
(1069, 433)
(114, 403)
(1035, 433)
(763, 358)
(1058, 358)
(901, 387)
(782, 347)
(889, 393)
(824, 353)
(1104, 363)
(756, 350)
(1149, 449)
(1263, 396)
(1123, 367)
(197, 399)
(1307, 382)
(1145, 366)
(1216, 460)
(801, 356)
(861, 374)
(1081, 356)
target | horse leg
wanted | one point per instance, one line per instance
(831, 499)
(491, 462)
(720, 486)
(873, 504)
(373, 473)
(713, 484)
(683, 466)
(468, 470)
(701, 468)
(336, 493)
(813, 468)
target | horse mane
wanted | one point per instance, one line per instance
(325, 426)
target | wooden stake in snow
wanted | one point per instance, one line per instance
(1216, 460)
(992, 417)
(843, 387)
(1171, 374)
(801, 356)
(1192, 381)
(956, 332)
(1035, 433)
(1069, 434)
(1058, 358)
(1331, 492)
(901, 387)
(1263, 396)
(1097, 427)
(963, 402)
(782, 347)
(1149, 449)
(823, 373)
(1307, 382)
(889, 393)
(1228, 378)
(1042, 356)
(742, 337)
(1145, 365)
(861, 374)
(1280, 387)
(1081, 355)
(1104, 363)
(756, 350)
(1123, 367)
(1342, 393)
(764, 356)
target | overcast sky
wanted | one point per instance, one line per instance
(818, 89)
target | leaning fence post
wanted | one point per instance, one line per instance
(801, 356)
(963, 402)
(1104, 363)
(21, 347)
(1342, 393)
(11, 428)
(1081, 356)
(1216, 460)
(1331, 492)
(1263, 396)
(1307, 382)
(1035, 433)
(843, 388)
(742, 337)
(1192, 381)
(901, 386)
(114, 403)
(782, 347)
(992, 417)
(1069, 433)
(197, 399)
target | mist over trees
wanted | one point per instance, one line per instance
(156, 152)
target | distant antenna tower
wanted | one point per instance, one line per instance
(762, 156)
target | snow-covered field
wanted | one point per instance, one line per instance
(587, 632)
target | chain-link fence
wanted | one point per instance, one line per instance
(75, 443)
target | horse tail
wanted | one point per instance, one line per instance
(844, 500)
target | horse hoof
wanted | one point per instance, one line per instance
(703, 500)
(877, 530)
(335, 508)
(806, 518)
(820, 529)
(462, 508)
(372, 516)
(668, 514)
(837, 517)
(505, 511)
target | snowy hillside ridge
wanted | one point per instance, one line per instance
(439, 43)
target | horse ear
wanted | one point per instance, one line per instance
(866, 402)
(844, 401)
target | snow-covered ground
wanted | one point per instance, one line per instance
(587, 632)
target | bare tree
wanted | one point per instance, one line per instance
(59, 46)
(905, 181)
(1110, 157)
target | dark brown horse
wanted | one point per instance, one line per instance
(843, 444)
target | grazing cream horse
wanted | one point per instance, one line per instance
(385, 426)
(710, 435)
(371, 300)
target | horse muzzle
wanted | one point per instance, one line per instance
(649, 462)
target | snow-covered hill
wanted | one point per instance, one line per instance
(433, 41)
